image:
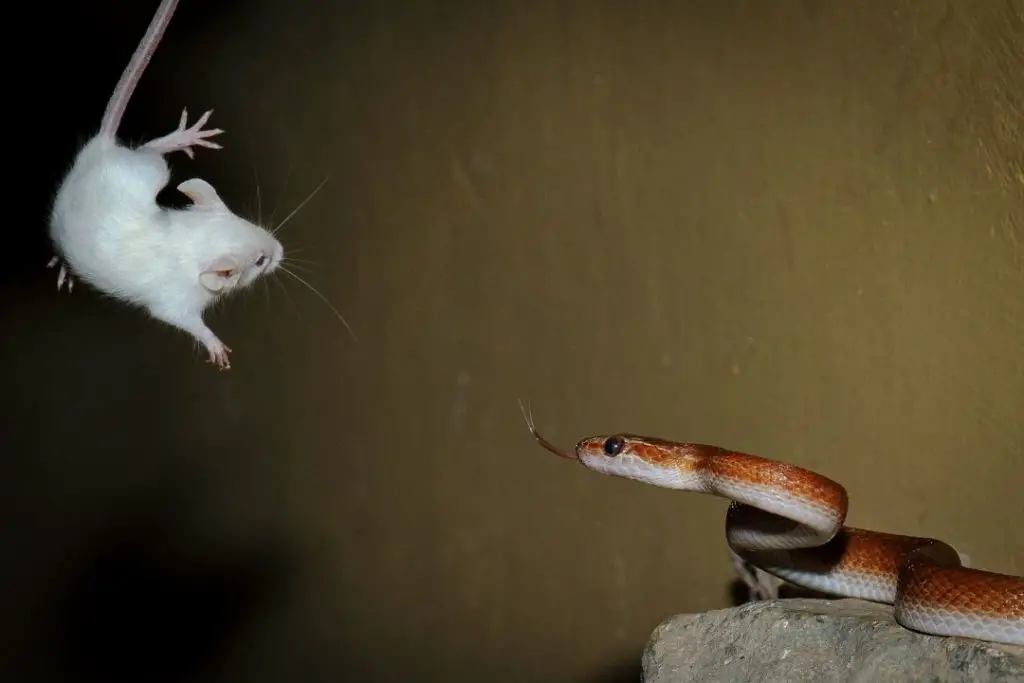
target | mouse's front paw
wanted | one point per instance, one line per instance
(63, 275)
(219, 354)
(184, 139)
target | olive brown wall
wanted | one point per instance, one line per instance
(794, 229)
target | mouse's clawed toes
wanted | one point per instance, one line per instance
(63, 275)
(203, 119)
(185, 138)
(219, 355)
(199, 135)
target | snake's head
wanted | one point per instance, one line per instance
(643, 458)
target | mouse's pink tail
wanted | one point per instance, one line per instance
(133, 72)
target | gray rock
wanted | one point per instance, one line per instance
(792, 641)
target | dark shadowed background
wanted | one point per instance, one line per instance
(791, 228)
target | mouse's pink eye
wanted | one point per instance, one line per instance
(261, 261)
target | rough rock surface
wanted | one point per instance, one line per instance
(824, 641)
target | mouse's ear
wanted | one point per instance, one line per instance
(221, 275)
(201, 193)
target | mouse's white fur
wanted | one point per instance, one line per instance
(110, 231)
(173, 262)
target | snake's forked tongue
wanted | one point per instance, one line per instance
(568, 455)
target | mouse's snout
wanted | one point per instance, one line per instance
(276, 256)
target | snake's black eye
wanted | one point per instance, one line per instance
(613, 445)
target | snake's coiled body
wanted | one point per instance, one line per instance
(790, 522)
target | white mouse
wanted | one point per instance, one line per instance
(110, 232)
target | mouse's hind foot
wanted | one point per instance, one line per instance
(63, 275)
(183, 139)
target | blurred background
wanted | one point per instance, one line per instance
(794, 229)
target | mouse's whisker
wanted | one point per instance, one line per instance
(322, 298)
(266, 291)
(259, 198)
(290, 258)
(277, 202)
(301, 266)
(299, 207)
(291, 302)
